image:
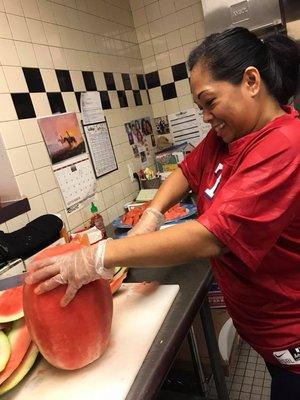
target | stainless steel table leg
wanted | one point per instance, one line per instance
(213, 351)
(196, 362)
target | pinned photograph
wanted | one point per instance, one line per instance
(146, 126)
(162, 125)
(62, 136)
(129, 132)
(137, 133)
(135, 151)
(153, 140)
(143, 156)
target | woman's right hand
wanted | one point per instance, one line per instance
(150, 221)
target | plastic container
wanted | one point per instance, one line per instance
(97, 221)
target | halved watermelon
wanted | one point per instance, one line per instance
(11, 304)
(21, 370)
(4, 350)
(19, 340)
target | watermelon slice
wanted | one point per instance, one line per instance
(21, 370)
(19, 340)
(11, 304)
(4, 350)
(117, 280)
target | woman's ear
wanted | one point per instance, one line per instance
(252, 80)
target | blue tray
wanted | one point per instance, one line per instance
(191, 210)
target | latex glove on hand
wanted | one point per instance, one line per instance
(73, 269)
(150, 221)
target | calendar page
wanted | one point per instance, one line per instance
(76, 180)
(101, 149)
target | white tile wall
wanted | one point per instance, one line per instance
(11, 134)
(87, 35)
(169, 28)
(28, 184)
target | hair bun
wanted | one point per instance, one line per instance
(285, 58)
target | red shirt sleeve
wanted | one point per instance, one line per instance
(258, 201)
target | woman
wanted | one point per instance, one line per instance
(246, 174)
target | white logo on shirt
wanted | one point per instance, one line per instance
(211, 192)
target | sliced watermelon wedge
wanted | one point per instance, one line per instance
(21, 370)
(19, 340)
(4, 350)
(117, 280)
(11, 304)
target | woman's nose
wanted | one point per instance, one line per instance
(207, 116)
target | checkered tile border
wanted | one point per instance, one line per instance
(116, 90)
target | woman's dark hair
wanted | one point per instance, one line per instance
(229, 53)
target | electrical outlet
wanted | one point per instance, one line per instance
(130, 171)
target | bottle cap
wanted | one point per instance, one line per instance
(94, 208)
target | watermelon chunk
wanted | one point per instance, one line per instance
(19, 340)
(4, 350)
(21, 370)
(11, 304)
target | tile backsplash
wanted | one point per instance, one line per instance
(131, 52)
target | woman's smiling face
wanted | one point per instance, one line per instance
(231, 109)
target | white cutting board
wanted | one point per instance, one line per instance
(139, 311)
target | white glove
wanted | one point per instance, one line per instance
(150, 221)
(74, 269)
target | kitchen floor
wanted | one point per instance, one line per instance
(249, 380)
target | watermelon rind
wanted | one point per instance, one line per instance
(22, 369)
(11, 304)
(5, 350)
(19, 340)
(12, 317)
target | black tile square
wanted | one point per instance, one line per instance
(126, 81)
(34, 80)
(122, 98)
(179, 71)
(78, 96)
(64, 80)
(105, 99)
(23, 105)
(137, 98)
(152, 80)
(141, 81)
(89, 80)
(169, 91)
(110, 81)
(56, 101)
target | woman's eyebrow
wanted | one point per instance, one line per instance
(199, 94)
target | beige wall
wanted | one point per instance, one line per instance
(166, 31)
(73, 35)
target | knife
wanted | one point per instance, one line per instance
(12, 281)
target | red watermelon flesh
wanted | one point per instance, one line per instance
(11, 304)
(73, 336)
(19, 340)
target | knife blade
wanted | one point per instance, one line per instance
(12, 281)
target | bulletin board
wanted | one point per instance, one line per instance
(101, 149)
